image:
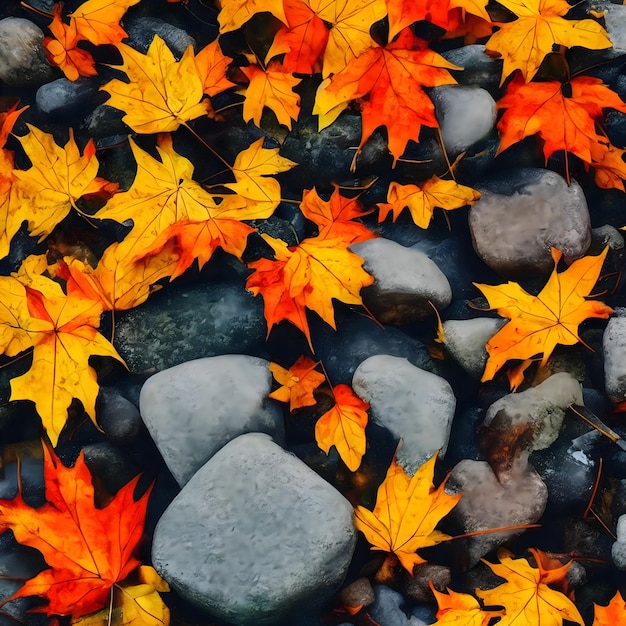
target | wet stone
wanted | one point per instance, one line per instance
(614, 347)
(386, 609)
(63, 99)
(118, 417)
(141, 32)
(478, 67)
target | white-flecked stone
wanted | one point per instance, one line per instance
(614, 347)
(465, 340)
(194, 408)
(414, 405)
(255, 536)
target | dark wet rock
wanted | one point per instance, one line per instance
(520, 217)
(608, 235)
(182, 323)
(118, 417)
(193, 409)
(106, 121)
(109, 463)
(463, 443)
(358, 593)
(255, 536)
(414, 405)
(63, 99)
(22, 59)
(478, 67)
(417, 587)
(466, 114)
(406, 280)
(141, 32)
(386, 610)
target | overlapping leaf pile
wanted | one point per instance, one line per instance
(363, 56)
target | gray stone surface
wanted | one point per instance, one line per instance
(405, 280)
(414, 405)
(63, 98)
(465, 113)
(22, 58)
(141, 32)
(255, 536)
(184, 323)
(386, 610)
(522, 215)
(193, 409)
(618, 549)
(614, 348)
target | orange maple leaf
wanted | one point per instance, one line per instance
(97, 21)
(538, 323)
(608, 163)
(406, 512)
(387, 82)
(526, 596)
(62, 50)
(87, 549)
(563, 115)
(612, 614)
(343, 426)
(212, 64)
(336, 216)
(524, 42)
(461, 609)
(307, 276)
(297, 383)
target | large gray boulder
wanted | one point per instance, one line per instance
(255, 537)
(193, 409)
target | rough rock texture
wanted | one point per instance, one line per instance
(618, 550)
(22, 59)
(414, 405)
(255, 536)
(405, 280)
(614, 346)
(521, 216)
(193, 409)
(478, 67)
(141, 32)
(63, 98)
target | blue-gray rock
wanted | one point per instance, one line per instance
(414, 405)
(405, 281)
(255, 537)
(386, 609)
(182, 323)
(22, 59)
(193, 409)
(63, 98)
(141, 32)
(524, 214)
(466, 114)
(478, 67)
(118, 417)
(614, 348)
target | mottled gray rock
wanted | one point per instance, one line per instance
(386, 610)
(405, 281)
(255, 537)
(615, 24)
(358, 593)
(608, 235)
(22, 58)
(478, 67)
(465, 113)
(193, 409)
(414, 405)
(618, 549)
(520, 217)
(141, 32)
(614, 348)
(182, 323)
(519, 497)
(64, 99)
(465, 340)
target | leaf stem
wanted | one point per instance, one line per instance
(207, 146)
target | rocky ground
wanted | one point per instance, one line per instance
(249, 521)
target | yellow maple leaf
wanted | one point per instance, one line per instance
(406, 512)
(98, 20)
(161, 93)
(422, 199)
(538, 323)
(235, 13)
(58, 177)
(524, 42)
(461, 609)
(343, 426)
(297, 383)
(272, 88)
(526, 596)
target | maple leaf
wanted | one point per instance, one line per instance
(609, 165)
(406, 512)
(336, 216)
(63, 333)
(392, 78)
(302, 40)
(343, 426)
(538, 323)
(612, 614)
(564, 122)
(88, 549)
(235, 13)
(524, 42)
(212, 64)
(308, 275)
(422, 199)
(298, 383)
(62, 52)
(161, 93)
(461, 609)
(273, 88)
(98, 20)
(58, 177)
(526, 596)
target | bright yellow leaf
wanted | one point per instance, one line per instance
(235, 13)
